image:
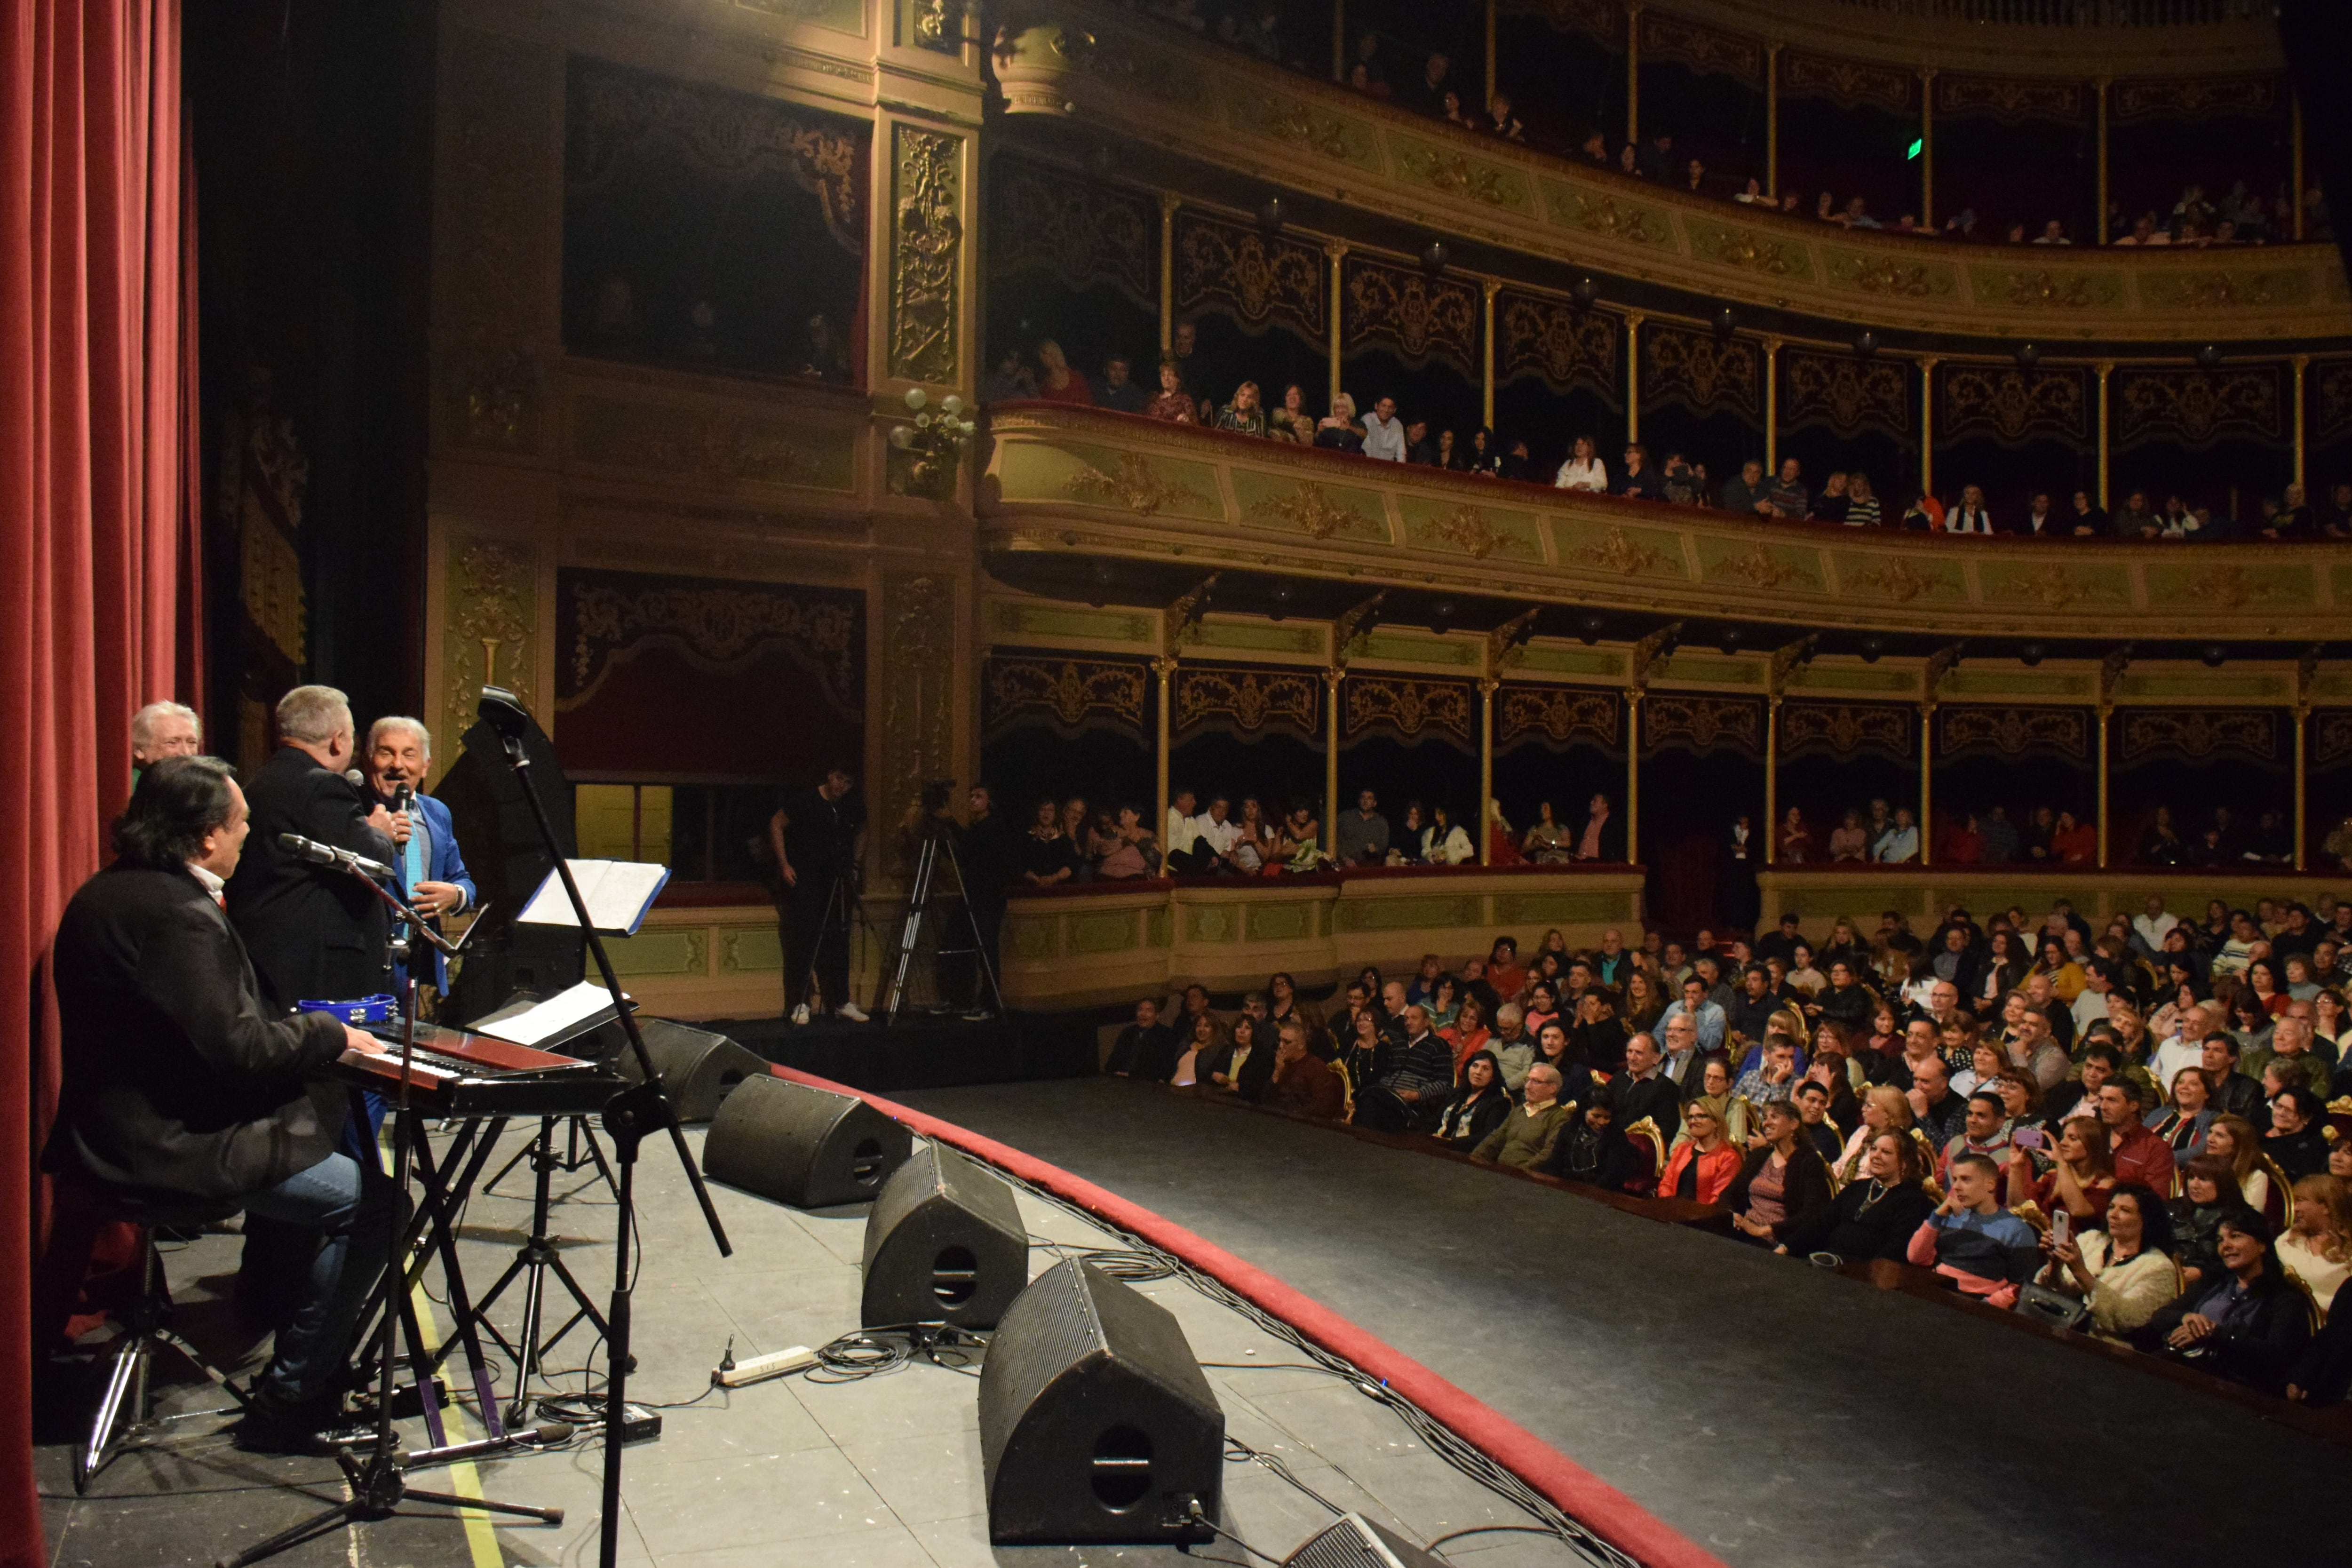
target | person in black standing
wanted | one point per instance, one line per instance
(986, 859)
(818, 836)
(315, 932)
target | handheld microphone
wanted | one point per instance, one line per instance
(400, 796)
(319, 854)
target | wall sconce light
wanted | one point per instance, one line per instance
(932, 446)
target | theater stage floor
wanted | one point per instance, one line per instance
(1781, 1416)
(879, 1474)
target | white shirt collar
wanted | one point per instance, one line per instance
(212, 884)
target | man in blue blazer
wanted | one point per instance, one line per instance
(431, 867)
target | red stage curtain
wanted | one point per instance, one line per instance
(98, 535)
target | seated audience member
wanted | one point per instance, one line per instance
(1598, 1039)
(1528, 1134)
(1467, 1034)
(2208, 1191)
(1241, 1066)
(1875, 1213)
(1244, 415)
(2123, 1269)
(2317, 1245)
(1593, 1151)
(1783, 1183)
(1774, 1079)
(1885, 1109)
(1644, 1093)
(1513, 1048)
(1201, 1047)
(2296, 1141)
(1046, 854)
(1303, 1084)
(1363, 833)
(1119, 390)
(1145, 1048)
(1059, 381)
(1173, 403)
(2082, 1176)
(1702, 1164)
(1340, 430)
(1941, 1113)
(1602, 837)
(2247, 1322)
(2187, 1114)
(1974, 1242)
(1409, 1094)
(1446, 842)
(1478, 1104)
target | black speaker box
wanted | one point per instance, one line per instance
(1096, 1424)
(807, 1147)
(944, 1242)
(697, 1069)
(1354, 1541)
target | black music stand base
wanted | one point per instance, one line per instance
(378, 1489)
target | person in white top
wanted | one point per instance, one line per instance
(1900, 842)
(1443, 842)
(1384, 432)
(1583, 471)
(1218, 831)
(2154, 922)
(1969, 516)
(1181, 845)
(2186, 1048)
(2317, 1245)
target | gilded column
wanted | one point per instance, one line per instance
(2100, 104)
(1633, 775)
(1927, 777)
(928, 222)
(1772, 406)
(1337, 250)
(1772, 782)
(1332, 677)
(2294, 168)
(1772, 120)
(1490, 67)
(2302, 785)
(1164, 668)
(2105, 368)
(1340, 40)
(2106, 711)
(1927, 425)
(1168, 206)
(1633, 376)
(1486, 347)
(1484, 832)
(1928, 156)
(2301, 363)
(1634, 73)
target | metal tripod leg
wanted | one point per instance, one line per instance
(532, 1263)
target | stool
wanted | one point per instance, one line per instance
(148, 1324)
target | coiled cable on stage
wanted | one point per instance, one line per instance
(1130, 1266)
(875, 1351)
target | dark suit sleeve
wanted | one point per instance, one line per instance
(182, 974)
(332, 813)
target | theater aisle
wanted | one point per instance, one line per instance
(1780, 1416)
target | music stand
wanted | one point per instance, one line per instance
(632, 1115)
(377, 1486)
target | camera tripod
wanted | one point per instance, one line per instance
(537, 1258)
(842, 908)
(922, 899)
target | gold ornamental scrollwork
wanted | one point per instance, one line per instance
(1406, 708)
(2197, 733)
(2012, 406)
(1704, 723)
(1601, 214)
(2331, 736)
(1260, 281)
(716, 627)
(1563, 343)
(2195, 407)
(926, 253)
(1847, 395)
(1897, 579)
(1310, 510)
(1248, 701)
(2012, 731)
(1455, 175)
(1466, 527)
(1614, 552)
(1557, 713)
(1846, 730)
(489, 628)
(1133, 483)
(1080, 232)
(1757, 565)
(1074, 694)
(1699, 371)
(1424, 318)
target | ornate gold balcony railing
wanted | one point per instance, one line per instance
(1222, 109)
(1082, 481)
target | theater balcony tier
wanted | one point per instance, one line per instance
(1098, 943)
(1108, 492)
(1822, 894)
(1176, 104)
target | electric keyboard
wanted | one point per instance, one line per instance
(456, 1072)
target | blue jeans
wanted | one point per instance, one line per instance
(346, 1203)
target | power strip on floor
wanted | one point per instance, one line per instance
(760, 1368)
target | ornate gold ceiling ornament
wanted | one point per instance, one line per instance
(1310, 510)
(1133, 483)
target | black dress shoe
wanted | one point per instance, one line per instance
(317, 1425)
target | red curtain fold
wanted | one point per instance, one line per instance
(98, 536)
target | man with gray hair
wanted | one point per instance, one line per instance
(431, 870)
(315, 932)
(162, 730)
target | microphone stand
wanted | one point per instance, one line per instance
(631, 1114)
(376, 1484)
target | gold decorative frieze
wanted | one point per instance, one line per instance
(1847, 395)
(1312, 511)
(1134, 484)
(1406, 709)
(926, 253)
(1422, 318)
(1564, 343)
(1260, 280)
(1848, 730)
(1044, 219)
(2195, 734)
(1766, 255)
(1248, 701)
(2012, 406)
(1457, 173)
(1962, 731)
(1618, 552)
(1072, 694)
(1700, 371)
(2196, 407)
(1559, 714)
(1695, 723)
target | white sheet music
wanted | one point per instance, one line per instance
(545, 1020)
(618, 894)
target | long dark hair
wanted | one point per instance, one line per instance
(1466, 1090)
(2155, 1218)
(177, 803)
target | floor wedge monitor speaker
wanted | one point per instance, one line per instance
(807, 1147)
(944, 1242)
(1354, 1541)
(1096, 1424)
(697, 1069)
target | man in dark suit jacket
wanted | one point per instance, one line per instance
(1643, 1091)
(314, 932)
(1145, 1048)
(182, 1084)
(432, 868)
